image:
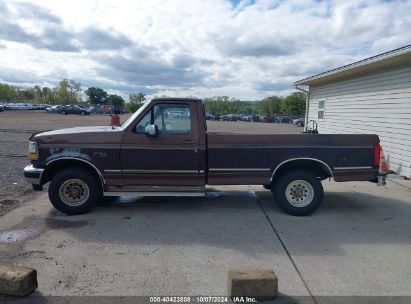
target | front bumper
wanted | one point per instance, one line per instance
(33, 175)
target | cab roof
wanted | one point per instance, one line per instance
(176, 99)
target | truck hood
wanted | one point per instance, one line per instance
(77, 130)
(80, 135)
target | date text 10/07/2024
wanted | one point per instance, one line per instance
(201, 299)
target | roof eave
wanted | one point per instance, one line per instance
(398, 56)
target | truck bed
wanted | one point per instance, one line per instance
(252, 158)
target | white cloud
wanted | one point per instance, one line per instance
(193, 47)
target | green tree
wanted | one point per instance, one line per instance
(62, 92)
(5, 93)
(68, 91)
(235, 105)
(294, 104)
(75, 91)
(135, 101)
(48, 95)
(220, 105)
(209, 106)
(116, 100)
(28, 94)
(38, 94)
(137, 98)
(270, 105)
(247, 107)
(96, 96)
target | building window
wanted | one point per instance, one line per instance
(321, 109)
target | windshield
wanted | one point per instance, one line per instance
(132, 117)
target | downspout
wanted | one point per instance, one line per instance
(306, 105)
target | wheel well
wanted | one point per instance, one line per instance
(320, 169)
(56, 166)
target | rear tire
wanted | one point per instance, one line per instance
(298, 192)
(74, 191)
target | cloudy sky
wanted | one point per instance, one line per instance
(244, 49)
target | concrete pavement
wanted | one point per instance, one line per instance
(357, 243)
(167, 246)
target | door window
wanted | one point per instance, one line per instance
(144, 122)
(171, 119)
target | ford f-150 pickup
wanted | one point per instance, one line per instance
(164, 149)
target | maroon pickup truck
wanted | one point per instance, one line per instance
(164, 149)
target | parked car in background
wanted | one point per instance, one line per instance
(232, 117)
(245, 117)
(27, 106)
(283, 119)
(209, 116)
(106, 109)
(73, 109)
(24, 106)
(16, 106)
(39, 106)
(53, 109)
(96, 109)
(255, 118)
(117, 110)
(299, 122)
(268, 118)
(1, 108)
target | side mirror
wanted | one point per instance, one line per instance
(152, 131)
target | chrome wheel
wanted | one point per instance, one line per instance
(74, 192)
(299, 193)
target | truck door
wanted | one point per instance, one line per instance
(171, 157)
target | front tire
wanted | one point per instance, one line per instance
(299, 124)
(298, 192)
(74, 191)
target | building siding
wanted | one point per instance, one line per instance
(377, 104)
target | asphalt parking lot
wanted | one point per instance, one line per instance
(358, 243)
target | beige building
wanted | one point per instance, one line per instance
(369, 96)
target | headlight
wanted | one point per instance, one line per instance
(33, 151)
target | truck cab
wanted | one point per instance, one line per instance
(165, 144)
